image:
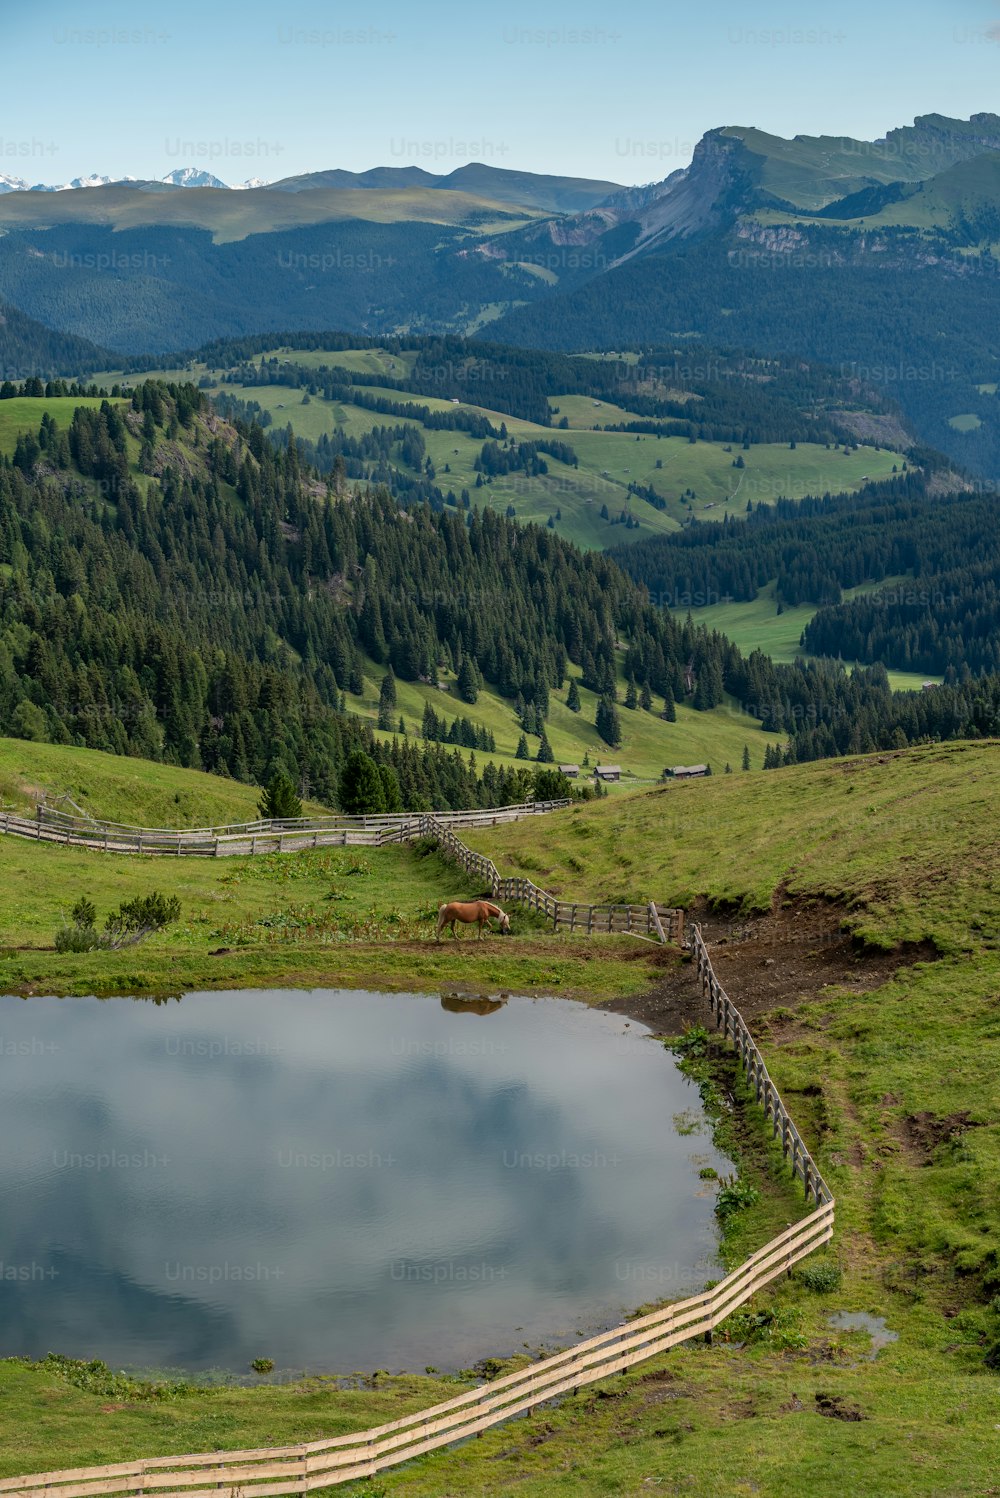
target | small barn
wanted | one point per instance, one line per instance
(687, 772)
(607, 772)
(570, 771)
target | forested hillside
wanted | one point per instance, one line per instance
(944, 617)
(175, 587)
(27, 348)
(918, 326)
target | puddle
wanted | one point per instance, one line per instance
(862, 1321)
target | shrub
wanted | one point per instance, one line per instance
(822, 1278)
(131, 922)
(736, 1195)
(84, 912)
(144, 913)
(77, 939)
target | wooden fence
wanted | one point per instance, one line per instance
(657, 922)
(309, 1465)
(320, 1464)
(292, 836)
(729, 1020)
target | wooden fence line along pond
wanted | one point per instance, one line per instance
(317, 1464)
(302, 1468)
(729, 1020)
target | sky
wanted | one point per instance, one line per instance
(620, 92)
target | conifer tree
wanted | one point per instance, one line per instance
(607, 722)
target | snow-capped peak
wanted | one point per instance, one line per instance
(192, 176)
(12, 184)
(249, 184)
(92, 181)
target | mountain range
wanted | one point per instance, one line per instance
(878, 257)
(187, 176)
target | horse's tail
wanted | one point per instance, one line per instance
(441, 911)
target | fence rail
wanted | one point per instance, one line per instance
(733, 1026)
(290, 836)
(317, 1464)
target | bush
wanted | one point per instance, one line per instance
(736, 1195)
(133, 920)
(144, 913)
(822, 1278)
(84, 912)
(77, 939)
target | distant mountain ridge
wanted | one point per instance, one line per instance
(551, 193)
(877, 256)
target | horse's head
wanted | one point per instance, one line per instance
(504, 922)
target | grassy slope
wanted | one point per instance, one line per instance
(117, 789)
(24, 414)
(608, 463)
(907, 839)
(758, 626)
(907, 843)
(648, 743)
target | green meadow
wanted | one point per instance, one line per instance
(757, 625)
(24, 413)
(608, 462)
(891, 1076)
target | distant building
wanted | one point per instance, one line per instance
(607, 772)
(928, 686)
(570, 771)
(687, 772)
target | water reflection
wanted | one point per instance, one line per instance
(337, 1180)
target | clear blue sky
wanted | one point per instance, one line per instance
(619, 91)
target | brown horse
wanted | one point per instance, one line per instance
(471, 912)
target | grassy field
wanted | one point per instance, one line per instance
(649, 744)
(24, 414)
(607, 463)
(758, 626)
(905, 839)
(116, 789)
(892, 1079)
(352, 917)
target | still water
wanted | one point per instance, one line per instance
(338, 1180)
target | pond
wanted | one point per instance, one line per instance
(339, 1180)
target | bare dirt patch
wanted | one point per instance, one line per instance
(922, 1134)
(776, 960)
(836, 1408)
